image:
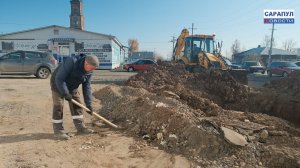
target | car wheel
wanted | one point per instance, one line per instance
(43, 73)
(269, 73)
(285, 74)
(130, 69)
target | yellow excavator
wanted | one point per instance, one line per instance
(201, 52)
(198, 51)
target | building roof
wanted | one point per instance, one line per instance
(264, 51)
(56, 26)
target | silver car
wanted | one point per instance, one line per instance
(40, 64)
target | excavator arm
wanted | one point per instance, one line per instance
(180, 44)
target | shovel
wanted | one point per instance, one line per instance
(94, 114)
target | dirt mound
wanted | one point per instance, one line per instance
(191, 114)
(217, 86)
(163, 119)
(280, 98)
(204, 90)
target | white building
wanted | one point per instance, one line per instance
(63, 42)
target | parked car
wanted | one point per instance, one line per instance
(139, 65)
(40, 64)
(236, 65)
(283, 68)
(297, 63)
(253, 66)
(231, 65)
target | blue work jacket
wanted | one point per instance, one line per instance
(69, 75)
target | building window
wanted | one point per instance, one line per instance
(7, 46)
(55, 32)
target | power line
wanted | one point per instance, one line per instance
(270, 49)
(192, 28)
(173, 41)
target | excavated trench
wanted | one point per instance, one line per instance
(280, 98)
(204, 116)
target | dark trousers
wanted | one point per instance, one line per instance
(57, 115)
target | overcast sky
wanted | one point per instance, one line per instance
(154, 22)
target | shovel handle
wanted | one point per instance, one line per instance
(94, 114)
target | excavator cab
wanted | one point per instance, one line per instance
(200, 50)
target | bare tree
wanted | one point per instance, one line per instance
(244, 48)
(235, 48)
(267, 41)
(133, 45)
(288, 44)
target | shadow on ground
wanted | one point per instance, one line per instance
(25, 137)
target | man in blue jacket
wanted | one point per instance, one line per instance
(65, 81)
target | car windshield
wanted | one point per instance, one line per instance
(132, 62)
(227, 62)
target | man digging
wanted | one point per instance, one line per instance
(64, 82)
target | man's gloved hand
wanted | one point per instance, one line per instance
(68, 97)
(90, 108)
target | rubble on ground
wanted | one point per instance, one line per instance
(202, 116)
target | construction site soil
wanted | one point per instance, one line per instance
(209, 117)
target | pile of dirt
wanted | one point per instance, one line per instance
(280, 98)
(216, 86)
(193, 114)
(225, 139)
(200, 90)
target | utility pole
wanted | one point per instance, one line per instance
(192, 46)
(271, 45)
(173, 52)
(192, 29)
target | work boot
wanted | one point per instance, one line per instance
(61, 135)
(81, 128)
(59, 132)
(85, 130)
